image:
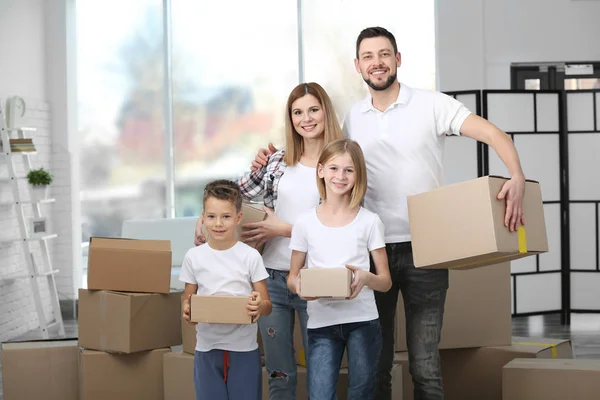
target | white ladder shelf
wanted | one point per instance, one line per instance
(33, 273)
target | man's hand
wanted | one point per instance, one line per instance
(514, 192)
(262, 157)
(187, 310)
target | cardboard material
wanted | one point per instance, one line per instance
(325, 282)
(128, 322)
(40, 370)
(188, 333)
(251, 213)
(477, 312)
(121, 376)
(220, 309)
(462, 225)
(129, 265)
(178, 376)
(544, 379)
(342, 385)
(476, 374)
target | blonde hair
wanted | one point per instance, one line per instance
(336, 148)
(294, 143)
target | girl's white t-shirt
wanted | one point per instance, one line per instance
(228, 272)
(334, 247)
(297, 192)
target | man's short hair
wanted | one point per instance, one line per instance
(373, 32)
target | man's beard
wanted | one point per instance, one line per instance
(391, 79)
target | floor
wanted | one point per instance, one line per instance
(584, 332)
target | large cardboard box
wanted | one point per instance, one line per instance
(477, 310)
(526, 379)
(476, 374)
(342, 385)
(220, 309)
(128, 322)
(40, 370)
(462, 225)
(325, 282)
(105, 376)
(178, 374)
(129, 265)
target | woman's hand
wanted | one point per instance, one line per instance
(262, 232)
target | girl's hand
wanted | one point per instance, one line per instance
(262, 232)
(255, 306)
(361, 278)
(186, 311)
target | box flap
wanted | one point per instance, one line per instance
(557, 364)
(39, 344)
(129, 244)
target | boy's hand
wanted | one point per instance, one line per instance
(255, 304)
(361, 278)
(186, 311)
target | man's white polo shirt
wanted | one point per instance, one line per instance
(403, 149)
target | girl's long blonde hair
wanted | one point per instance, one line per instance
(294, 143)
(336, 148)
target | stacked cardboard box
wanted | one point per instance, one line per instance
(128, 319)
(461, 228)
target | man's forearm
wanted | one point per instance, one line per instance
(505, 148)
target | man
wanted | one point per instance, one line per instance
(401, 131)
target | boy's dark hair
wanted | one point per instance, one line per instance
(224, 189)
(373, 32)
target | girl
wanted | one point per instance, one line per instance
(287, 185)
(340, 233)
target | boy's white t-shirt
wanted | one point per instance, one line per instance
(334, 247)
(297, 192)
(228, 272)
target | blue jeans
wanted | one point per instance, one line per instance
(228, 375)
(424, 294)
(276, 332)
(362, 341)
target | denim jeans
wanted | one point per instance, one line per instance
(362, 341)
(228, 375)
(276, 331)
(424, 294)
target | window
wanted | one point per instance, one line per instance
(231, 79)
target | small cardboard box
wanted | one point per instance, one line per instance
(325, 282)
(178, 376)
(342, 384)
(543, 379)
(123, 322)
(121, 376)
(41, 370)
(220, 309)
(476, 373)
(477, 311)
(251, 213)
(129, 265)
(462, 225)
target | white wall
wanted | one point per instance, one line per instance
(22, 70)
(35, 53)
(477, 40)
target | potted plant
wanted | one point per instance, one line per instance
(39, 180)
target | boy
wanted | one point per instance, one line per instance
(227, 363)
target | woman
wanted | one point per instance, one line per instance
(288, 186)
